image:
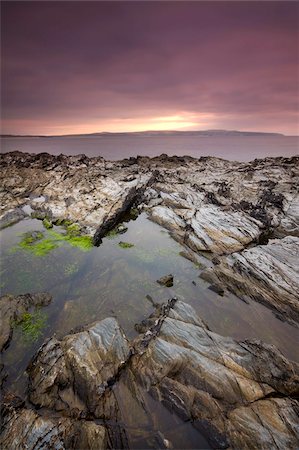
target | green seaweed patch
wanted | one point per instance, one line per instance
(32, 325)
(40, 248)
(63, 222)
(70, 269)
(134, 213)
(119, 229)
(125, 244)
(31, 237)
(82, 242)
(35, 243)
(73, 229)
(47, 223)
(112, 233)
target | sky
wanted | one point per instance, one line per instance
(83, 67)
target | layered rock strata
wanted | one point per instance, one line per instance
(238, 394)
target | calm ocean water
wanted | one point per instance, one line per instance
(114, 147)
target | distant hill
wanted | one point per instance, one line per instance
(154, 133)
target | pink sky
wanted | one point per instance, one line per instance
(81, 67)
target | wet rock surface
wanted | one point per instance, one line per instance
(244, 218)
(237, 394)
(211, 205)
(241, 394)
(13, 307)
(72, 374)
(267, 273)
(25, 428)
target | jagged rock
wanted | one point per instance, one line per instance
(195, 196)
(167, 280)
(267, 273)
(24, 428)
(240, 394)
(11, 217)
(13, 307)
(73, 374)
(97, 195)
(290, 222)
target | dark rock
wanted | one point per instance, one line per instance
(167, 280)
(216, 288)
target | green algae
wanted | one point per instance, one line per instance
(40, 245)
(112, 233)
(32, 325)
(134, 213)
(31, 237)
(70, 269)
(47, 223)
(63, 222)
(41, 248)
(73, 229)
(119, 229)
(82, 242)
(125, 244)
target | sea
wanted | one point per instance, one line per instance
(120, 146)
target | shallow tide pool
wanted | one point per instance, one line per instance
(113, 281)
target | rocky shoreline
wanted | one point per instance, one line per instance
(237, 394)
(244, 217)
(241, 215)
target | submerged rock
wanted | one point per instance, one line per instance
(167, 280)
(12, 309)
(266, 273)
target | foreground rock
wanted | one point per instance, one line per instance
(241, 394)
(75, 372)
(12, 309)
(267, 273)
(238, 394)
(25, 428)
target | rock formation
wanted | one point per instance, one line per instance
(213, 206)
(244, 217)
(238, 394)
(12, 309)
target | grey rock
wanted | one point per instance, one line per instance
(241, 394)
(11, 217)
(74, 373)
(266, 273)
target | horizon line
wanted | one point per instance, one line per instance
(149, 131)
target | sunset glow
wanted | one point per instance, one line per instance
(195, 65)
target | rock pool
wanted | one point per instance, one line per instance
(120, 281)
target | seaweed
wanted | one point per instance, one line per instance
(47, 223)
(31, 325)
(125, 244)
